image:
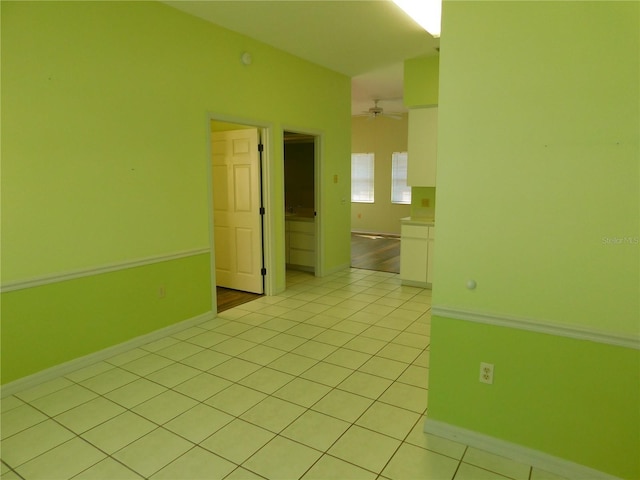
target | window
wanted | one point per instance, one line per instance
(362, 177)
(400, 191)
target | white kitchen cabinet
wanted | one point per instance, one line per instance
(417, 241)
(300, 236)
(422, 147)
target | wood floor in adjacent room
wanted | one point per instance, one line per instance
(368, 251)
(228, 298)
(375, 252)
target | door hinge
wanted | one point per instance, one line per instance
(263, 271)
(261, 147)
(262, 211)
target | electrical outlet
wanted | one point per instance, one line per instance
(486, 373)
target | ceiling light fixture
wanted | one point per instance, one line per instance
(426, 13)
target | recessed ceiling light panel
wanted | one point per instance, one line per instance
(426, 13)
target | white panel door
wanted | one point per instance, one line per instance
(236, 210)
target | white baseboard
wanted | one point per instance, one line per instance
(535, 458)
(78, 363)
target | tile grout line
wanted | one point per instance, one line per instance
(130, 409)
(353, 422)
(236, 382)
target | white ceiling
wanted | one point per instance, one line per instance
(367, 40)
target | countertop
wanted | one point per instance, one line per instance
(294, 217)
(426, 221)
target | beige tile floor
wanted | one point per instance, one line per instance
(328, 380)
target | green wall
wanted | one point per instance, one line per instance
(539, 203)
(577, 400)
(421, 81)
(105, 149)
(51, 324)
(538, 161)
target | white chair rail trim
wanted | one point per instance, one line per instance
(539, 326)
(62, 277)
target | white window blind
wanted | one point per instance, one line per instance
(400, 191)
(362, 177)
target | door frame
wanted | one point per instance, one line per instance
(268, 235)
(318, 148)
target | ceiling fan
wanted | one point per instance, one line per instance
(376, 111)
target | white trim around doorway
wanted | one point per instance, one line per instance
(318, 150)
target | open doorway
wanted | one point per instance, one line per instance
(300, 192)
(237, 211)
